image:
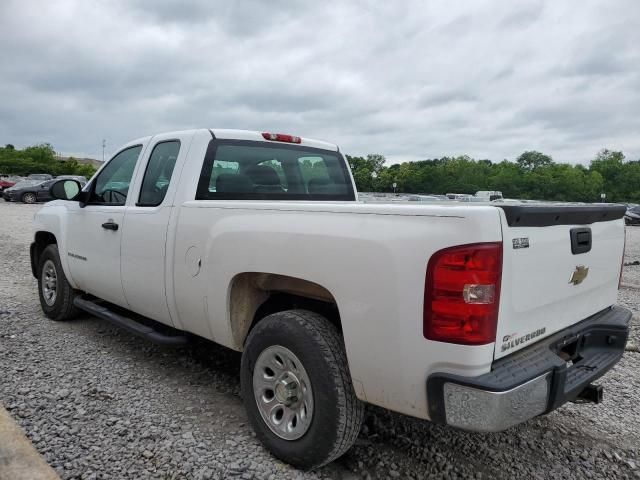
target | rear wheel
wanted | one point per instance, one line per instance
(297, 389)
(29, 197)
(56, 295)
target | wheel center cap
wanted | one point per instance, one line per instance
(287, 389)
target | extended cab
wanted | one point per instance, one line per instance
(479, 316)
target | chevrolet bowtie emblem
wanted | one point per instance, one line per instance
(579, 274)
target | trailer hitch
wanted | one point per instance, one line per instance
(590, 394)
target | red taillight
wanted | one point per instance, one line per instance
(462, 294)
(281, 137)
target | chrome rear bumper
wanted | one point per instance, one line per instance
(533, 381)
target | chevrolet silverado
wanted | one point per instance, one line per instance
(475, 315)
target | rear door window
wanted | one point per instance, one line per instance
(158, 173)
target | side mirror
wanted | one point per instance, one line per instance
(67, 189)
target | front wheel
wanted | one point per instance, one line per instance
(56, 295)
(29, 197)
(297, 389)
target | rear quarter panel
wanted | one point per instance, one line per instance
(372, 258)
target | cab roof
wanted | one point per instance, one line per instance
(232, 134)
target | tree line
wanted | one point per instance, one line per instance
(39, 159)
(533, 175)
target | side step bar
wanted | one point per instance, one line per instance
(129, 324)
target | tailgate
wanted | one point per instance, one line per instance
(561, 264)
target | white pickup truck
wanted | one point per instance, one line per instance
(479, 316)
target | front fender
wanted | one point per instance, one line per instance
(50, 218)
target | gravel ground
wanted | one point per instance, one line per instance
(631, 271)
(100, 403)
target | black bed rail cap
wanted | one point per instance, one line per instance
(543, 215)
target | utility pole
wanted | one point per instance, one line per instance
(104, 144)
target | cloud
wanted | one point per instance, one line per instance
(524, 16)
(410, 80)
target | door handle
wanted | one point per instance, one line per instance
(110, 225)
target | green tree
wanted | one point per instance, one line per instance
(534, 175)
(611, 165)
(508, 178)
(365, 170)
(530, 160)
(39, 159)
(375, 161)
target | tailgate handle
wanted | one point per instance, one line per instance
(580, 240)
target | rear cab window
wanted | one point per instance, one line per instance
(250, 170)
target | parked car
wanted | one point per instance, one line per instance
(32, 191)
(4, 184)
(508, 200)
(471, 199)
(489, 194)
(14, 193)
(439, 196)
(423, 198)
(40, 176)
(475, 315)
(457, 196)
(632, 216)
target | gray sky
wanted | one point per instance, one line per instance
(409, 80)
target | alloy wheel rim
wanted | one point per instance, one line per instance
(49, 283)
(283, 393)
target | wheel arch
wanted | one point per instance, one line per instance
(42, 239)
(255, 295)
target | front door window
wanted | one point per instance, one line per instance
(112, 184)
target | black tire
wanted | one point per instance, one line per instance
(61, 308)
(29, 197)
(337, 412)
